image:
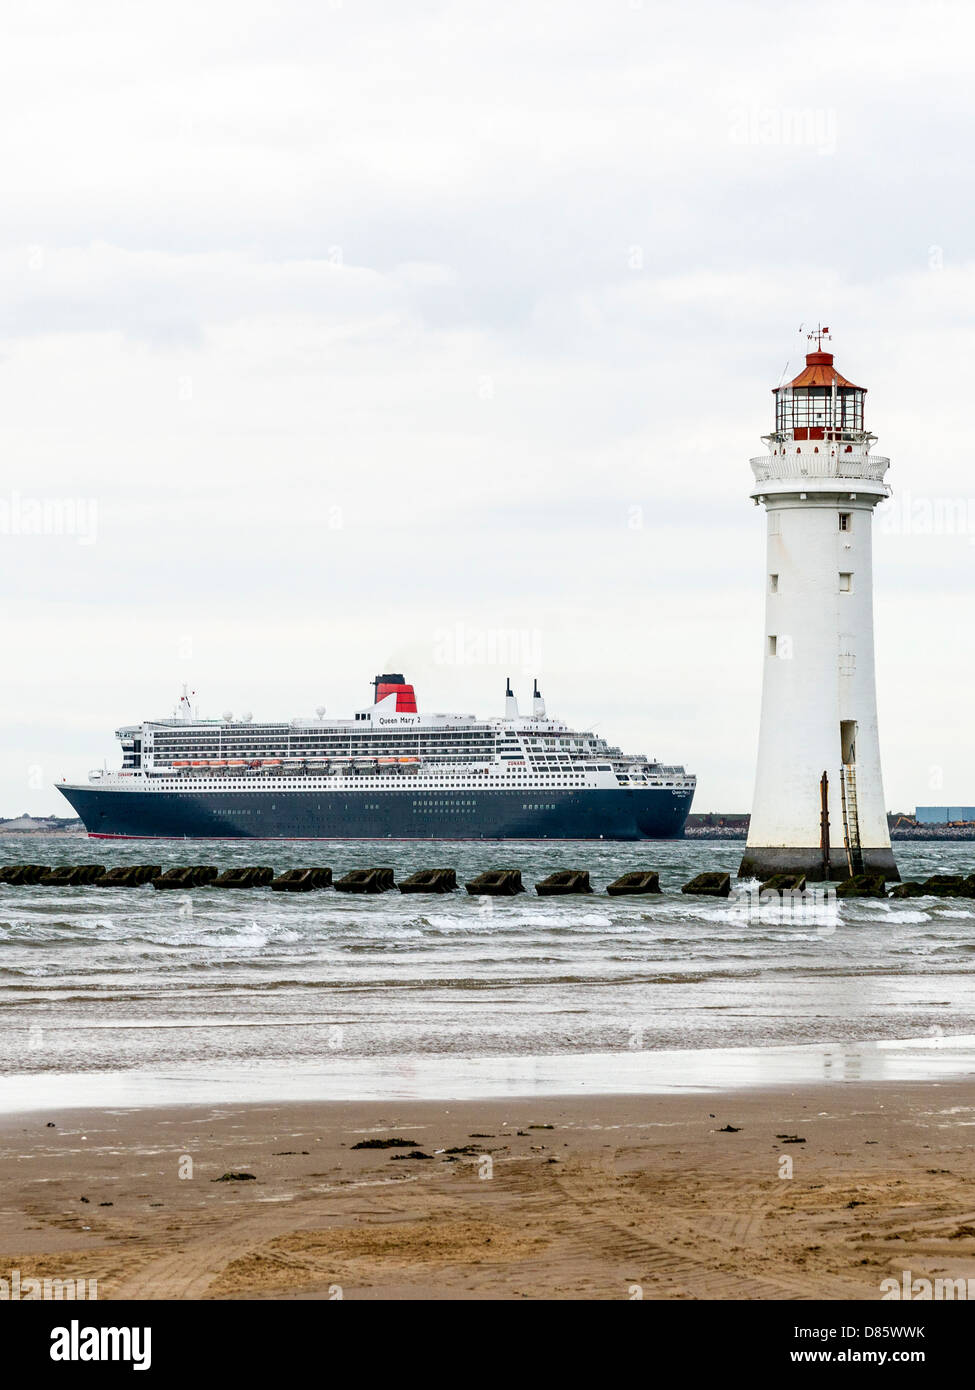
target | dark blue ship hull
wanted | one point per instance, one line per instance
(538, 814)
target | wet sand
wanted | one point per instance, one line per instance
(575, 1197)
(443, 1078)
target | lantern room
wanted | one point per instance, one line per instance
(819, 403)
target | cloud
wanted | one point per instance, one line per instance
(355, 322)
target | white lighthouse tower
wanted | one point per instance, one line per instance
(819, 803)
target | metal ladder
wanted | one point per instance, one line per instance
(851, 819)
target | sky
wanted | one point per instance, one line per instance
(353, 336)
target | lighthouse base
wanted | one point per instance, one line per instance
(762, 861)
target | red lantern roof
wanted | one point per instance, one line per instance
(819, 371)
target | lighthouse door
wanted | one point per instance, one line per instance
(848, 741)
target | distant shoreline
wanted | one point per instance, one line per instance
(935, 833)
(42, 825)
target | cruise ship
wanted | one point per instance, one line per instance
(390, 772)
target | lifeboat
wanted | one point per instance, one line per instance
(412, 762)
(237, 763)
(272, 762)
(219, 762)
(201, 763)
(180, 764)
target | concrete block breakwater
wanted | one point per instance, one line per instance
(492, 883)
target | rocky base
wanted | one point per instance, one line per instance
(763, 861)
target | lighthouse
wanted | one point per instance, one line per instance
(819, 806)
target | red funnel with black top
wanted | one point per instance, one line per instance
(395, 685)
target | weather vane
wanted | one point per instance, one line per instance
(819, 333)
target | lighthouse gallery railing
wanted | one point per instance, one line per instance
(768, 466)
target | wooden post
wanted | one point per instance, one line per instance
(824, 824)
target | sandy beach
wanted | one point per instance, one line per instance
(545, 1198)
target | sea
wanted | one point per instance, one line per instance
(122, 996)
